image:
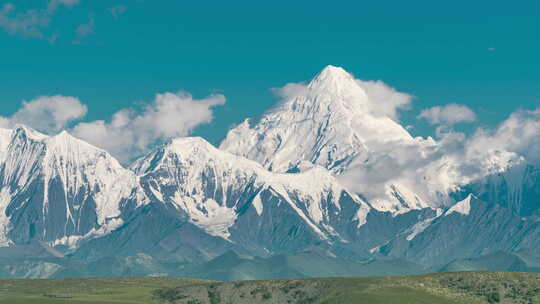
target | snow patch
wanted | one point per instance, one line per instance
(462, 207)
(361, 215)
(5, 199)
(209, 215)
(422, 225)
(257, 204)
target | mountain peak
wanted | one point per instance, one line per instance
(66, 138)
(336, 81)
(186, 145)
(28, 132)
(77, 150)
(329, 124)
(64, 133)
(331, 72)
(189, 141)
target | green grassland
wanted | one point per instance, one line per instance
(79, 291)
(443, 288)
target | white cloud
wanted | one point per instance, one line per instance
(290, 90)
(448, 115)
(48, 113)
(129, 134)
(385, 100)
(420, 165)
(31, 23)
(520, 134)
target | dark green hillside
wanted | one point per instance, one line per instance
(521, 261)
(463, 287)
(308, 264)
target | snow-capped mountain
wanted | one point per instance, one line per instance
(274, 187)
(58, 189)
(204, 201)
(238, 200)
(330, 123)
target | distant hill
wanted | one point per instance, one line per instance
(40, 261)
(522, 261)
(234, 267)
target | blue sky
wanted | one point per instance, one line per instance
(482, 54)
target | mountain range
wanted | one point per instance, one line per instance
(290, 186)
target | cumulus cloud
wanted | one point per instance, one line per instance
(520, 134)
(448, 114)
(129, 133)
(385, 100)
(47, 114)
(32, 22)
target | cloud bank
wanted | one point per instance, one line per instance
(433, 168)
(129, 133)
(519, 134)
